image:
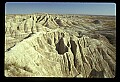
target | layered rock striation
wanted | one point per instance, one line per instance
(43, 46)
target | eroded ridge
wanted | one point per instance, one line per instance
(53, 46)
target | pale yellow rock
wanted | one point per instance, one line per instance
(48, 45)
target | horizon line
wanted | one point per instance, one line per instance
(58, 13)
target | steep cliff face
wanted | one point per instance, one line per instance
(47, 49)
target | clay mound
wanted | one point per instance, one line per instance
(64, 55)
(48, 45)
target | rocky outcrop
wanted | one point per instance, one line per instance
(79, 56)
(48, 51)
(97, 21)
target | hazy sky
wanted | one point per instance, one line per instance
(60, 8)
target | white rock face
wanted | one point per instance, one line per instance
(46, 46)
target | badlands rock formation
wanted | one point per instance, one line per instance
(55, 45)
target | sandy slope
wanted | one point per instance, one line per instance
(58, 46)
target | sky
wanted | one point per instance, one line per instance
(60, 8)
